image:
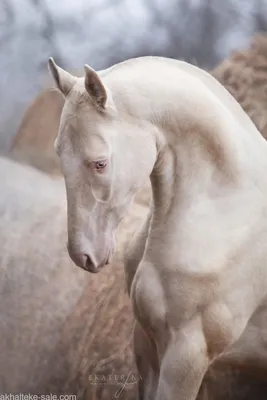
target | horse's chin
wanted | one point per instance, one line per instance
(94, 270)
(91, 270)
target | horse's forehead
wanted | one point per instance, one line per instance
(77, 113)
(80, 127)
(77, 103)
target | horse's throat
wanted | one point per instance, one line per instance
(163, 182)
(183, 171)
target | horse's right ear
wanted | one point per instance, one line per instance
(63, 79)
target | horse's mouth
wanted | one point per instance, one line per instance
(91, 269)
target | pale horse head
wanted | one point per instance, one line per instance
(106, 155)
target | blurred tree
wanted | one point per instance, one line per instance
(104, 32)
(48, 30)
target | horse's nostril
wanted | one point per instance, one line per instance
(82, 260)
(89, 265)
(88, 260)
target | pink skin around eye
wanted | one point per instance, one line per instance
(100, 165)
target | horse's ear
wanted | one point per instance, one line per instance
(63, 79)
(95, 88)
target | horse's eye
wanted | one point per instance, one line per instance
(100, 165)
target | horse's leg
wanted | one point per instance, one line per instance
(146, 359)
(186, 352)
(144, 352)
(183, 365)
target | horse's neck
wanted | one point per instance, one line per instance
(163, 183)
(188, 165)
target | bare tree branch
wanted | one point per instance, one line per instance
(49, 31)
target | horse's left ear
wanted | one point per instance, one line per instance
(95, 88)
(63, 79)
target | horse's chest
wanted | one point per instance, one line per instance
(164, 299)
(148, 298)
(201, 243)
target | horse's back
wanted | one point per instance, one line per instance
(39, 285)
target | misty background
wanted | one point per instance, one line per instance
(103, 32)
